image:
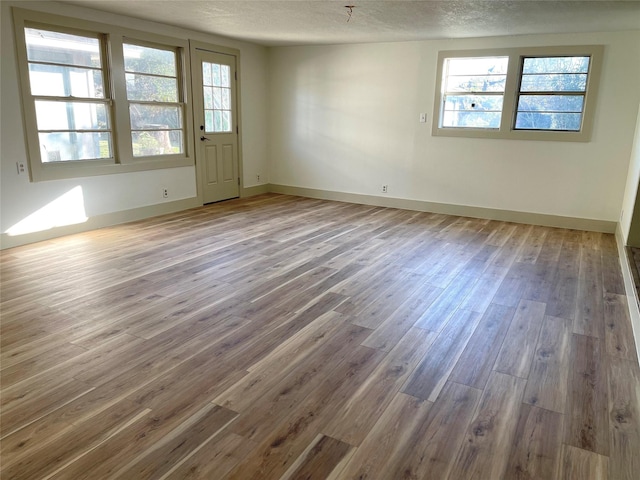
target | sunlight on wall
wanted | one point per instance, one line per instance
(67, 209)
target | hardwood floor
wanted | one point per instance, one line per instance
(278, 337)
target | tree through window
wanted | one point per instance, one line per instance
(552, 91)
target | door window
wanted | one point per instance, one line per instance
(216, 90)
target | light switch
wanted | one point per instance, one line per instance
(423, 118)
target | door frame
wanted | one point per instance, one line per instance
(194, 46)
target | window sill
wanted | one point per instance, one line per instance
(536, 135)
(60, 171)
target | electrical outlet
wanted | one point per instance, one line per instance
(22, 169)
(385, 188)
(165, 192)
(258, 178)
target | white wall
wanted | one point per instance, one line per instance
(108, 194)
(631, 189)
(345, 118)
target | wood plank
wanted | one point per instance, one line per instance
(388, 334)
(74, 444)
(508, 252)
(321, 459)
(439, 312)
(175, 448)
(284, 442)
(586, 420)
(477, 359)
(516, 353)
(589, 319)
(308, 357)
(611, 271)
(547, 385)
(432, 373)
(546, 267)
(564, 288)
(388, 439)
(510, 290)
(533, 245)
(216, 460)
(485, 288)
(34, 365)
(385, 304)
(485, 452)
(354, 421)
(618, 333)
(429, 449)
(535, 453)
(578, 464)
(130, 444)
(24, 406)
(624, 413)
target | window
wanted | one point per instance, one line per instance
(474, 91)
(551, 94)
(67, 86)
(528, 93)
(216, 89)
(154, 110)
(98, 99)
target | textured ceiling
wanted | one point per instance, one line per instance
(302, 22)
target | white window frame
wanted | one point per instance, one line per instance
(115, 82)
(514, 71)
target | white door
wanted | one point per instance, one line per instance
(216, 118)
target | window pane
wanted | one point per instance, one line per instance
(551, 103)
(217, 121)
(215, 69)
(473, 102)
(471, 119)
(225, 74)
(208, 121)
(148, 88)
(59, 81)
(556, 65)
(217, 98)
(226, 121)
(548, 121)
(208, 97)
(571, 82)
(70, 146)
(206, 74)
(156, 142)
(55, 47)
(149, 60)
(71, 116)
(154, 117)
(226, 98)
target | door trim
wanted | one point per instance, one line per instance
(194, 46)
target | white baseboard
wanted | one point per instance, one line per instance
(99, 221)
(254, 190)
(630, 288)
(451, 209)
